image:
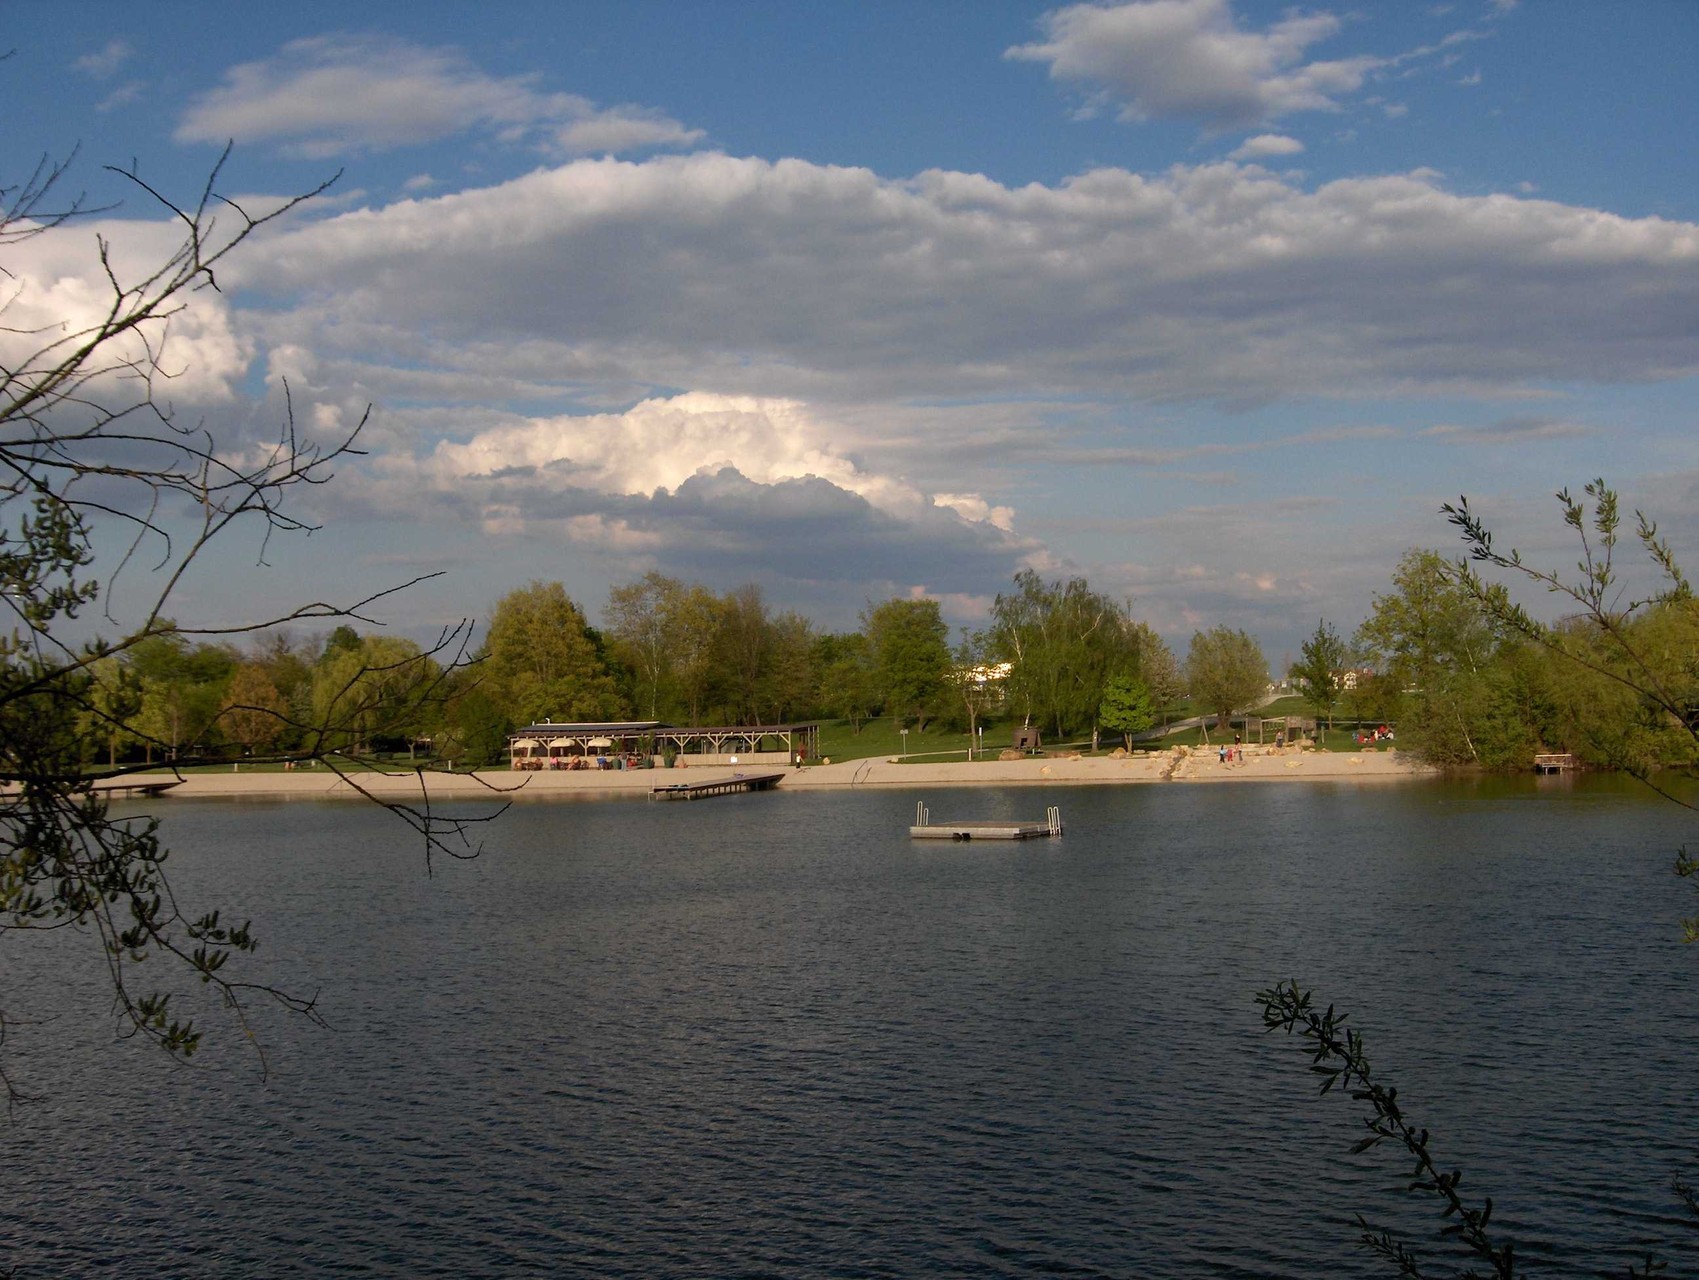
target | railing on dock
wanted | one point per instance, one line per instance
(925, 829)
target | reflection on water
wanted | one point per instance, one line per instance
(767, 1035)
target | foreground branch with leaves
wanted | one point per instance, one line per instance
(1620, 640)
(97, 470)
(1621, 637)
(1339, 1057)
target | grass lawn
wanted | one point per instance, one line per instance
(880, 739)
(387, 764)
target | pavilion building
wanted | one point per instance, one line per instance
(654, 744)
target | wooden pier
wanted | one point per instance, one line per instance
(721, 786)
(135, 785)
(925, 829)
(1555, 762)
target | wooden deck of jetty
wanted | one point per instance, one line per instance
(133, 786)
(925, 829)
(111, 788)
(721, 786)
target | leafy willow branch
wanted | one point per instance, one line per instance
(1338, 1056)
(1605, 606)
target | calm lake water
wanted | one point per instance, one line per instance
(769, 1036)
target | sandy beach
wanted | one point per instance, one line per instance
(1259, 765)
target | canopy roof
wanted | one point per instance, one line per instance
(588, 728)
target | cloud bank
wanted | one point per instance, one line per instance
(1216, 283)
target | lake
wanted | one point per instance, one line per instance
(768, 1035)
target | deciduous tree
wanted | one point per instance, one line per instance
(743, 650)
(1436, 643)
(847, 686)
(254, 712)
(1127, 708)
(789, 684)
(640, 617)
(692, 627)
(1319, 670)
(1225, 670)
(909, 644)
(1064, 642)
(542, 661)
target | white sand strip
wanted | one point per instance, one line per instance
(1259, 765)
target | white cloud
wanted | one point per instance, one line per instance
(341, 94)
(657, 445)
(621, 129)
(57, 291)
(122, 96)
(884, 362)
(970, 506)
(723, 487)
(789, 279)
(1265, 146)
(103, 64)
(1189, 59)
(1508, 431)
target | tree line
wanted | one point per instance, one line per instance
(1461, 685)
(1470, 681)
(1058, 655)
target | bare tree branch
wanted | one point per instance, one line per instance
(90, 443)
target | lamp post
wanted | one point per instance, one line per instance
(904, 733)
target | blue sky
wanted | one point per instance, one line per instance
(1211, 302)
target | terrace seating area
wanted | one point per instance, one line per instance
(643, 744)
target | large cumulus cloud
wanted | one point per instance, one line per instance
(717, 487)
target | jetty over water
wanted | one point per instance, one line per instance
(723, 785)
(123, 784)
(129, 785)
(925, 829)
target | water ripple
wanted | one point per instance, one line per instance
(769, 1037)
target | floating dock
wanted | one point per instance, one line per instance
(720, 786)
(1555, 762)
(925, 829)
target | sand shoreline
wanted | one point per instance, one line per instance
(1259, 765)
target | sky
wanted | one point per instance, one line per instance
(1213, 302)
